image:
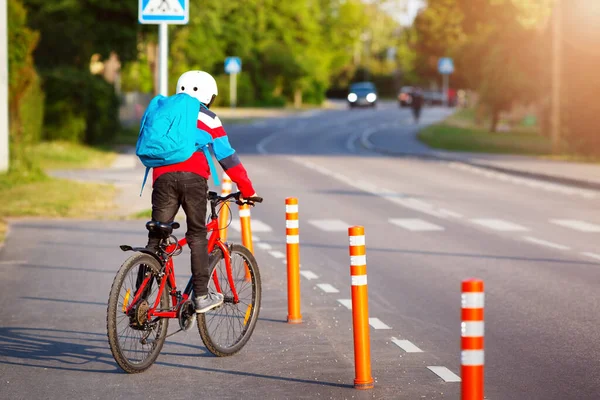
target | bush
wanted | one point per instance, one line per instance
(80, 107)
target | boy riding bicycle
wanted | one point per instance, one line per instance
(185, 184)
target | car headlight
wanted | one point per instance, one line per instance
(371, 97)
(352, 97)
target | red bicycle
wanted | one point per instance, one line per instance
(144, 296)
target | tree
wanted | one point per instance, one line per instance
(25, 97)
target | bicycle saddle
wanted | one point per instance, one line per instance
(164, 229)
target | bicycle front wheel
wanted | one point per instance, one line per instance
(226, 329)
(135, 341)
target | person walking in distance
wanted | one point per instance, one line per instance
(416, 103)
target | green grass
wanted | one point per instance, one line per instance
(27, 191)
(459, 133)
(145, 214)
(65, 155)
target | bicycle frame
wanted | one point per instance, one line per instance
(169, 273)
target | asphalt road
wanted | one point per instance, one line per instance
(429, 224)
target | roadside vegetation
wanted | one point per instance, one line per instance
(460, 133)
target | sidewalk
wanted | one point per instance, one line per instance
(395, 140)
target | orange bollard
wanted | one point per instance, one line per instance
(471, 357)
(226, 188)
(292, 239)
(244, 212)
(360, 308)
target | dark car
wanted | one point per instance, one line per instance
(362, 94)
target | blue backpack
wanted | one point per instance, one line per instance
(169, 133)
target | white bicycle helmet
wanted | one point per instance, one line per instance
(198, 84)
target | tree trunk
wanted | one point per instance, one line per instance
(152, 52)
(495, 120)
(298, 98)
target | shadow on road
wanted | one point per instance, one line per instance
(65, 350)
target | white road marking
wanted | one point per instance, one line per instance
(376, 323)
(577, 225)
(592, 255)
(309, 275)
(450, 213)
(327, 288)
(499, 225)
(546, 243)
(255, 224)
(277, 254)
(404, 201)
(548, 186)
(264, 246)
(13, 262)
(255, 238)
(346, 303)
(406, 345)
(330, 225)
(445, 374)
(413, 224)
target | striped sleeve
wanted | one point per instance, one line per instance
(226, 155)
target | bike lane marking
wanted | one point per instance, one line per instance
(309, 275)
(376, 323)
(445, 374)
(406, 345)
(327, 288)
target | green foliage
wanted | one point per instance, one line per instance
(81, 107)
(25, 96)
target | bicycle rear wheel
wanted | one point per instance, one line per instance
(226, 329)
(135, 341)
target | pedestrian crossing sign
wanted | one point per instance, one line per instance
(163, 11)
(445, 66)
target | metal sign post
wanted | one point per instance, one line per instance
(3, 87)
(163, 13)
(445, 67)
(233, 66)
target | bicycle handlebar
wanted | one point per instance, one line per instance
(214, 198)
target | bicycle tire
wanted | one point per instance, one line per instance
(117, 322)
(226, 330)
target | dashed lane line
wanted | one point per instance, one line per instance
(406, 345)
(255, 224)
(499, 225)
(542, 242)
(346, 303)
(264, 246)
(309, 275)
(415, 225)
(327, 288)
(277, 254)
(376, 323)
(581, 226)
(445, 374)
(591, 255)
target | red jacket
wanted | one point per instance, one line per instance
(226, 155)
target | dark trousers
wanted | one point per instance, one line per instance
(188, 190)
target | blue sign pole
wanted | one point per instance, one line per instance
(445, 67)
(233, 66)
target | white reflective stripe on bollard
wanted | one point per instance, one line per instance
(471, 358)
(357, 240)
(359, 280)
(291, 208)
(472, 300)
(292, 223)
(292, 239)
(358, 260)
(244, 213)
(472, 329)
(226, 186)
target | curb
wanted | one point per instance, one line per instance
(435, 155)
